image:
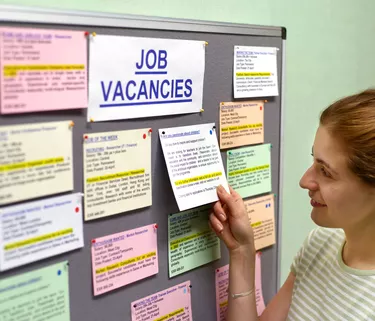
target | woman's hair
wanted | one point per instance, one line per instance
(352, 121)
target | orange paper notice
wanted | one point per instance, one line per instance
(241, 123)
(261, 211)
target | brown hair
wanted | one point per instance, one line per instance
(352, 120)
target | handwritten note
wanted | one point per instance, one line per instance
(33, 231)
(191, 241)
(249, 170)
(171, 304)
(123, 258)
(222, 284)
(261, 213)
(255, 72)
(241, 123)
(35, 160)
(194, 164)
(42, 70)
(117, 172)
(38, 295)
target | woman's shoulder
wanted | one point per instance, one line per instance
(324, 238)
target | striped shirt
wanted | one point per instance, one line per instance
(327, 289)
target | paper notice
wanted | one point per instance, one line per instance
(42, 69)
(194, 164)
(38, 295)
(171, 304)
(222, 284)
(30, 164)
(241, 123)
(144, 77)
(261, 213)
(33, 231)
(249, 170)
(117, 172)
(191, 241)
(255, 72)
(123, 258)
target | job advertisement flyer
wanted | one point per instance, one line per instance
(35, 160)
(194, 164)
(36, 230)
(171, 304)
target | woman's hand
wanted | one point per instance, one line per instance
(230, 221)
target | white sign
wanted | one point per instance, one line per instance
(143, 77)
(194, 164)
(36, 230)
(255, 72)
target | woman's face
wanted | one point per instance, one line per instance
(338, 197)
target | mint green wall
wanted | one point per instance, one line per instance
(330, 53)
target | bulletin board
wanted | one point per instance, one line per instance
(218, 87)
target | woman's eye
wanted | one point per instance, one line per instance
(325, 173)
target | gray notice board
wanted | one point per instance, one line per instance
(218, 87)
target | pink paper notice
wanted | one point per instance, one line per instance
(222, 283)
(123, 258)
(42, 70)
(171, 304)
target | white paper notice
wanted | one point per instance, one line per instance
(255, 72)
(36, 230)
(117, 172)
(194, 164)
(35, 160)
(142, 77)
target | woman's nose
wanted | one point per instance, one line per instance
(308, 180)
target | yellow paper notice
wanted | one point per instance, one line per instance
(117, 172)
(241, 123)
(35, 160)
(261, 211)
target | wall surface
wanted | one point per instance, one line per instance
(329, 54)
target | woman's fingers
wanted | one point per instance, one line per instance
(219, 212)
(216, 225)
(222, 230)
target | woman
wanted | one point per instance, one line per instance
(333, 274)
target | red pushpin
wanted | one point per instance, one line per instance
(93, 241)
(261, 107)
(77, 209)
(144, 136)
(87, 33)
(85, 137)
(155, 226)
(150, 130)
(217, 270)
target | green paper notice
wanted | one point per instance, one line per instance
(191, 242)
(38, 295)
(249, 170)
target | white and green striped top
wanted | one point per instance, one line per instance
(327, 289)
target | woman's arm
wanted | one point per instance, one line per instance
(230, 222)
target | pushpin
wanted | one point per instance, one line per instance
(94, 34)
(150, 131)
(190, 286)
(93, 241)
(85, 137)
(266, 101)
(206, 43)
(91, 120)
(87, 33)
(71, 124)
(202, 110)
(77, 209)
(155, 226)
(144, 136)
(217, 270)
